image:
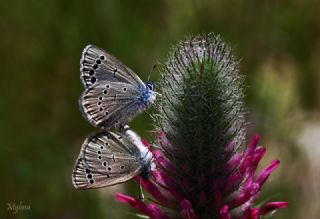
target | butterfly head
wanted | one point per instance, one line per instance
(151, 85)
(148, 94)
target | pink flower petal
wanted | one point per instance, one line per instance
(252, 160)
(224, 212)
(125, 199)
(233, 181)
(134, 202)
(253, 144)
(151, 210)
(153, 190)
(269, 207)
(157, 213)
(165, 180)
(162, 161)
(234, 162)
(262, 178)
(258, 155)
(246, 195)
(187, 211)
(251, 213)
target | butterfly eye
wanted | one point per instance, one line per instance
(150, 85)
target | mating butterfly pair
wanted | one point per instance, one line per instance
(113, 96)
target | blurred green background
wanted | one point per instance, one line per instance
(42, 129)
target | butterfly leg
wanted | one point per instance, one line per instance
(141, 195)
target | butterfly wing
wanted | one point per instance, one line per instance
(106, 159)
(111, 104)
(98, 65)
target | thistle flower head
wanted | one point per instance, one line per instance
(203, 168)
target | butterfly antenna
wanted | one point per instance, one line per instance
(153, 68)
(141, 195)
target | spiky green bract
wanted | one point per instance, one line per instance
(200, 112)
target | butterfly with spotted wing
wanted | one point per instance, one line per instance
(113, 94)
(107, 158)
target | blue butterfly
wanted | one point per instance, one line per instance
(108, 158)
(113, 94)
